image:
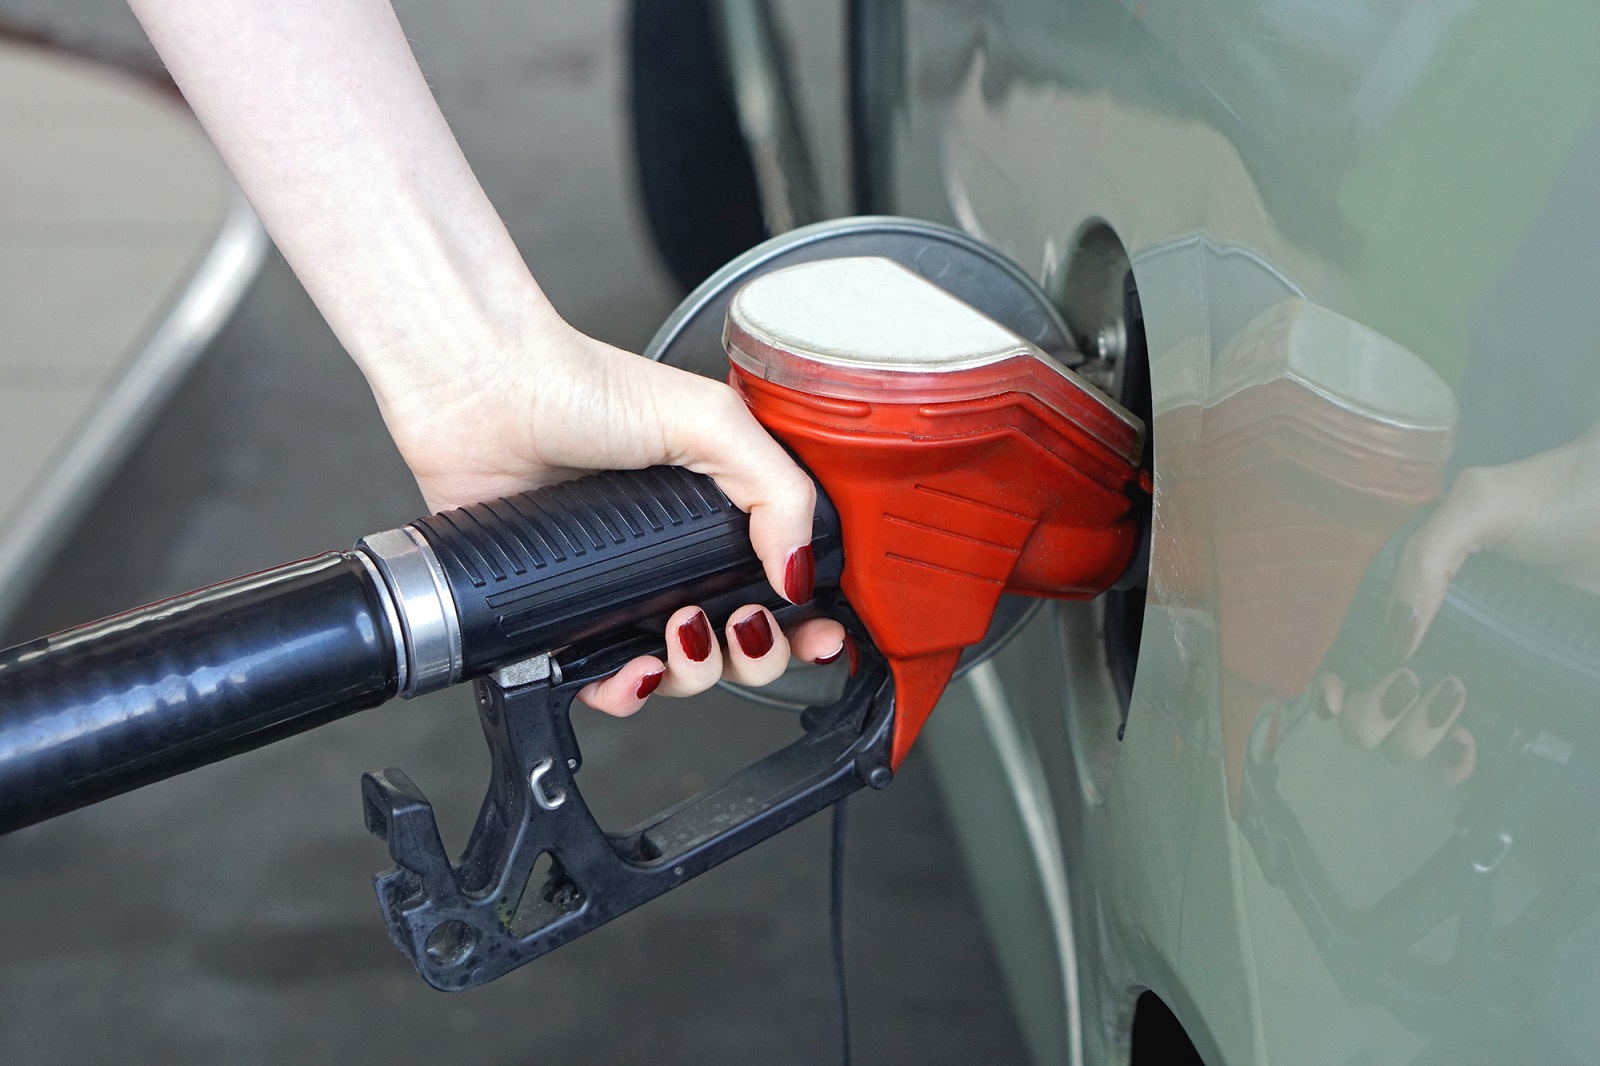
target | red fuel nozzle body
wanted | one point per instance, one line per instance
(964, 462)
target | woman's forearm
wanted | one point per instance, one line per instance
(322, 114)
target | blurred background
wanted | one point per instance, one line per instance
(228, 916)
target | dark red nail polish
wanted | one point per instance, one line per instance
(800, 575)
(826, 659)
(1452, 751)
(1446, 701)
(853, 652)
(754, 635)
(649, 683)
(1400, 694)
(695, 636)
(1401, 624)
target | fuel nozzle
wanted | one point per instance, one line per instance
(964, 462)
(961, 463)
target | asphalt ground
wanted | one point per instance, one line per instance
(228, 917)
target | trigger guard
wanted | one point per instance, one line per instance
(467, 922)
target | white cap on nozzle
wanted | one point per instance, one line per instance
(865, 328)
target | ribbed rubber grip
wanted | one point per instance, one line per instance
(549, 568)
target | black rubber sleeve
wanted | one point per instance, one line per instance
(115, 704)
(616, 550)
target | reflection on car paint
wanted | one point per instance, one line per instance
(1319, 439)
(1459, 938)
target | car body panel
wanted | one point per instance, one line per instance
(1364, 238)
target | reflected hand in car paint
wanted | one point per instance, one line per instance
(1543, 511)
(1406, 719)
(1479, 670)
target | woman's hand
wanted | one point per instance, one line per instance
(559, 405)
(327, 124)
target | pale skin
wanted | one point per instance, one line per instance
(319, 109)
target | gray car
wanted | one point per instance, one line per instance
(1324, 789)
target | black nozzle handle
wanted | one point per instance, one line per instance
(98, 710)
(608, 553)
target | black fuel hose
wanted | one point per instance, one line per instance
(97, 710)
(115, 704)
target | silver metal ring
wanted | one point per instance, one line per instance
(396, 631)
(427, 610)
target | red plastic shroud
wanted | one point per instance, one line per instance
(945, 506)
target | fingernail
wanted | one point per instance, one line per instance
(800, 575)
(649, 683)
(853, 653)
(1446, 701)
(1452, 751)
(1400, 694)
(826, 659)
(695, 636)
(754, 635)
(1401, 625)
